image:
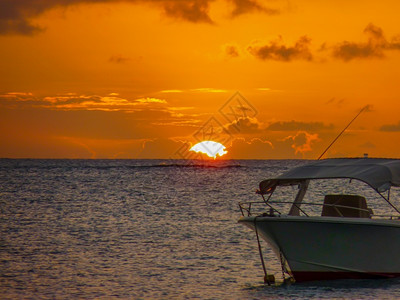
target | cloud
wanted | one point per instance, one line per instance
(22, 27)
(146, 117)
(118, 59)
(151, 100)
(337, 102)
(254, 148)
(104, 103)
(52, 118)
(294, 146)
(302, 141)
(16, 96)
(246, 6)
(16, 15)
(395, 43)
(197, 90)
(71, 101)
(171, 91)
(276, 50)
(374, 47)
(390, 127)
(231, 51)
(195, 11)
(295, 126)
(245, 125)
(150, 117)
(209, 90)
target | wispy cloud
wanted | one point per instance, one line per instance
(196, 90)
(231, 51)
(296, 125)
(171, 91)
(151, 100)
(336, 102)
(390, 127)
(20, 96)
(246, 6)
(209, 90)
(71, 101)
(118, 59)
(92, 102)
(277, 50)
(374, 47)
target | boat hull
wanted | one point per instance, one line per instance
(323, 248)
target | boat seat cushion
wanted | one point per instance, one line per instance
(345, 206)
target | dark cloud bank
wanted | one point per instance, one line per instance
(16, 15)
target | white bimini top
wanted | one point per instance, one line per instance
(379, 173)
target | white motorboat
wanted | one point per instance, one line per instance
(333, 235)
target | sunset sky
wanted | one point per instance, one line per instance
(149, 79)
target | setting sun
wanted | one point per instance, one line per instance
(210, 148)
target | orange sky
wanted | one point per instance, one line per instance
(148, 79)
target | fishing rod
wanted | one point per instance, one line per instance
(330, 145)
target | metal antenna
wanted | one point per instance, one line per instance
(330, 145)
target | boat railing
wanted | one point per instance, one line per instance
(247, 209)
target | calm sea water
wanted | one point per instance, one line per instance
(142, 229)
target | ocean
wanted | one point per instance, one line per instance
(143, 229)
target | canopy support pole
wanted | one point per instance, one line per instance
(295, 209)
(390, 203)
